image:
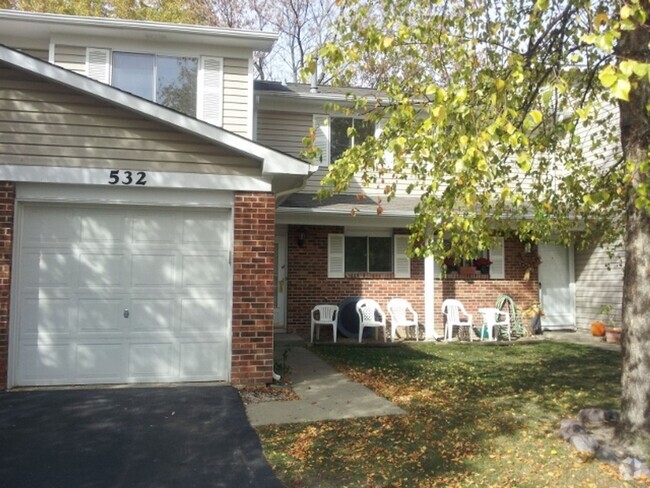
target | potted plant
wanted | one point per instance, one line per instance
(483, 265)
(612, 332)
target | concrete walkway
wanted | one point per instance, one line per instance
(325, 394)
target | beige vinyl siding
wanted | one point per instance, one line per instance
(283, 131)
(47, 125)
(599, 282)
(42, 54)
(235, 95)
(72, 58)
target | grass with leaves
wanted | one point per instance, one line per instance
(476, 416)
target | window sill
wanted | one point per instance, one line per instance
(370, 276)
(459, 277)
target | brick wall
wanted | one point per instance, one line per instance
(252, 309)
(7, 202)
(308, 284)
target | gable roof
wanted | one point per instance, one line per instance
(273, 163)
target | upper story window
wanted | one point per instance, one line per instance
(332, 135)
(340, 141)
(168, 80)
(192, 85)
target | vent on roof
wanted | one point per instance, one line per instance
(314, 77)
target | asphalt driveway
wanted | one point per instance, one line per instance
(129, 437)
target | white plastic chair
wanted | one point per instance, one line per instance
(370, 315)
(324, 315)
(494, 320)
(453, 309)
(399, 310)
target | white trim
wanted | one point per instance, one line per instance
(162, 47)
(335, 256)
(154, 179)
(252, 122)
(367, 232)
(429, 300)
(37, 192)
(401, 261)
(498, 258)
(572, 285)
(51, 52)
(210, 90)
(40, 23)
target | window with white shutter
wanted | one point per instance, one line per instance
(402, 267)
(497, 256)
(98, 64)
(335, 256)
(322, 141)
(210, 106)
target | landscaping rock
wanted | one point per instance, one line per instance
(583, 442)
(598, 416)
(607, 455)
(632, 468)
(569, 428)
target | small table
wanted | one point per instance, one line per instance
(489, 321)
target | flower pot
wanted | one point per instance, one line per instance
(613, 335)
(467, 271)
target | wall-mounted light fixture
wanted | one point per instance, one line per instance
(301, 236)
(528, 247)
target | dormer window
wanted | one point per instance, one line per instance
(168, 80)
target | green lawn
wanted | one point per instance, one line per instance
(477, 416)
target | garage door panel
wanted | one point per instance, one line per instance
(99, 362)
(153, 270)
(44, 364)
(152, 315)
(97, 270)
(51, 226)
(45, 315)
(48, 268)
(155, 228)
(212, 230)
(202, 314)
(205, 269)
(152, 361)
(203, 361)
(100, 315)
(102, 226)
(118, 294)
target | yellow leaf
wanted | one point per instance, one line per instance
(602, 19)
(536, 116)
(388, 41)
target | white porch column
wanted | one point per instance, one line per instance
(429, 296)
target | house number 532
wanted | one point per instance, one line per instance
(127, 177)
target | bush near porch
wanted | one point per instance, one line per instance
(477, 416)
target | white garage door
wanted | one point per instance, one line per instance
(114, 295)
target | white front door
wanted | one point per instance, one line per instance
(280, 289)
(557, 290)
(118, 294)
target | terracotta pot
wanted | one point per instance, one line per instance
(613, 335)
(467, 270)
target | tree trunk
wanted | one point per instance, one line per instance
(634, 429)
